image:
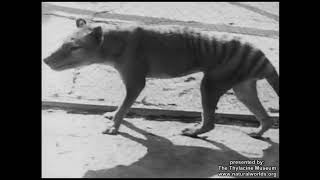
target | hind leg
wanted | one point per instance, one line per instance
(210, 95)
(246, 92)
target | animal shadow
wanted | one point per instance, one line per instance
(166, 160)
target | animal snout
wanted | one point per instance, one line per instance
(46, 60)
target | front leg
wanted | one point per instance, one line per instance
(134, 85)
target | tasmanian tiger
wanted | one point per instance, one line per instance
(138, 53)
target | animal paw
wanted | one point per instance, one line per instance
(254, 135)
(111, 131)
(195, 131)
(192, 132)
(109, 115)
(258, 136)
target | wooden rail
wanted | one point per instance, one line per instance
(156, 114)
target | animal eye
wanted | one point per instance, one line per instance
(75, 48)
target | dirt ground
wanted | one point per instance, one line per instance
(72, 144)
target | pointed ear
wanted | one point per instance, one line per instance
(97, 33)
(80, 23)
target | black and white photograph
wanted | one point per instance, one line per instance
(160, 90)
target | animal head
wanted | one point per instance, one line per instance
(79, 49)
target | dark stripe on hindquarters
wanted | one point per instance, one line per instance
(184, 39)
(213, 44)
(229, 49)
(209, 47)
(232, 48)
(188, 43)
(198, 53)
(240, 72)
(201, 42)
(259, 71)
(256, 59)
(223, 52)
(192, 46)
(198, 46)
(195, 46)
(206, 53)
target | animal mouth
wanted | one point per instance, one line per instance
(64, 66)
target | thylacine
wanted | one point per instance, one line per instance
(141, 53)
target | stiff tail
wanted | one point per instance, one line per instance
(273, 80)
